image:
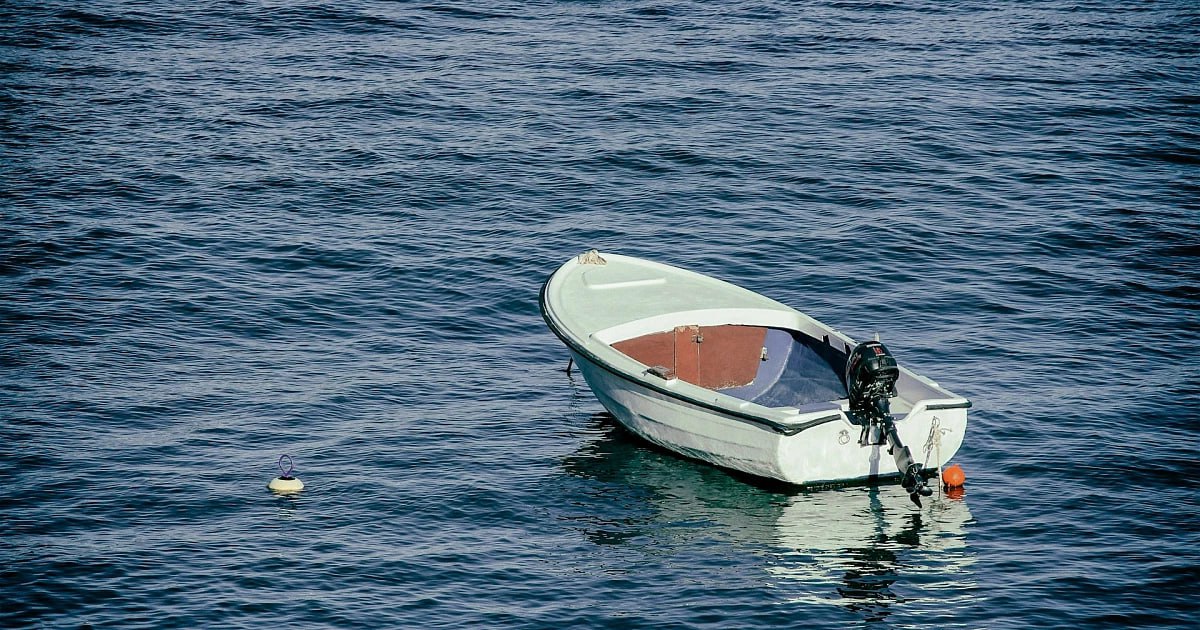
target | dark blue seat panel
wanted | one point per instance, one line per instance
(799, 371)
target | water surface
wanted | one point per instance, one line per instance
(234, 230)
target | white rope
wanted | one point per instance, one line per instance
(935, 442)
(591, 257)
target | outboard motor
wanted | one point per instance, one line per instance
(871, 375)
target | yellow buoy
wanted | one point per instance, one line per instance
(285, 482)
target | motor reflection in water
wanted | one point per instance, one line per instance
(865, 548)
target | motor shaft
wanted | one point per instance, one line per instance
(910, 470)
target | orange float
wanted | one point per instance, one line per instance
(954, 477)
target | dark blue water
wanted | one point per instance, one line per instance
(231, 230)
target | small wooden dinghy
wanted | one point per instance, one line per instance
(724, 375)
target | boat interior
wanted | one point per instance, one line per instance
(773, 367)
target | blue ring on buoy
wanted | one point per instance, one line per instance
(286, 474)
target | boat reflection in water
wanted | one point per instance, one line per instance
(866, 548)
(872, 547)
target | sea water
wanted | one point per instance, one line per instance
(235, 230)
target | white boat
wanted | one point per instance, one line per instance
(721, 374)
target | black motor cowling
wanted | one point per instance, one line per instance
(871, 374)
